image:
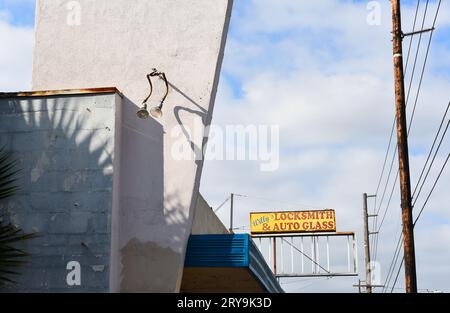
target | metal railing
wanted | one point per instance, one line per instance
(309, 255)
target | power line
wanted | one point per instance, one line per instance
(398, 249)
(397, 252)
(389, 202)
(387, 207)
(407, 100)
(430, 193)
(393, 124)
(417, 53)
(432, 148)
(393, 262)
(411, 40)
(409, 91)
(420, 213)
(425, 62)
(387, 181)
(398, 273)
(431, 164)
(223, 203)
(416, 98)
(432, 189)
(375, 220)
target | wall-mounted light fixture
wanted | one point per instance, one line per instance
(155, 111)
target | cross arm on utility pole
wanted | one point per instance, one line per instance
(418, 32)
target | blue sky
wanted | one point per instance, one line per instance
(320, 72)
(22, 11)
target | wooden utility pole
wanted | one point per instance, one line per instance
(366, 245)
(402, 141)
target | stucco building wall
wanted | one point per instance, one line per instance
(116, 43)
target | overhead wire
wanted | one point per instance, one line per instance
(425, 165)
(420, 213)
(431, 163)
(397, 251)
(375, 220)
(431, 150)
(221, 205)
(432, 189)
(408, 93)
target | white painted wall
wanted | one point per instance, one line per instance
(116, 43)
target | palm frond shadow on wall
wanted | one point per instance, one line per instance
(11, 256)
(59, 129)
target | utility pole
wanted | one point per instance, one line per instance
(402, 141)
(366, 245)
(231, 212)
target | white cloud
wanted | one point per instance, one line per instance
(325, 77)
(15, 55)
(320, 72)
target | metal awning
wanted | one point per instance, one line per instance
(226, 263)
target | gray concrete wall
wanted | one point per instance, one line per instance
(90, 170)
(65, 147)
(116, 43)
(205, 220)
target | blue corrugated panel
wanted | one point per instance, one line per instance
(217, 251)
(231, 251)
(261, 271)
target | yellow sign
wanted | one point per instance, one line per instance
(293, 222)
